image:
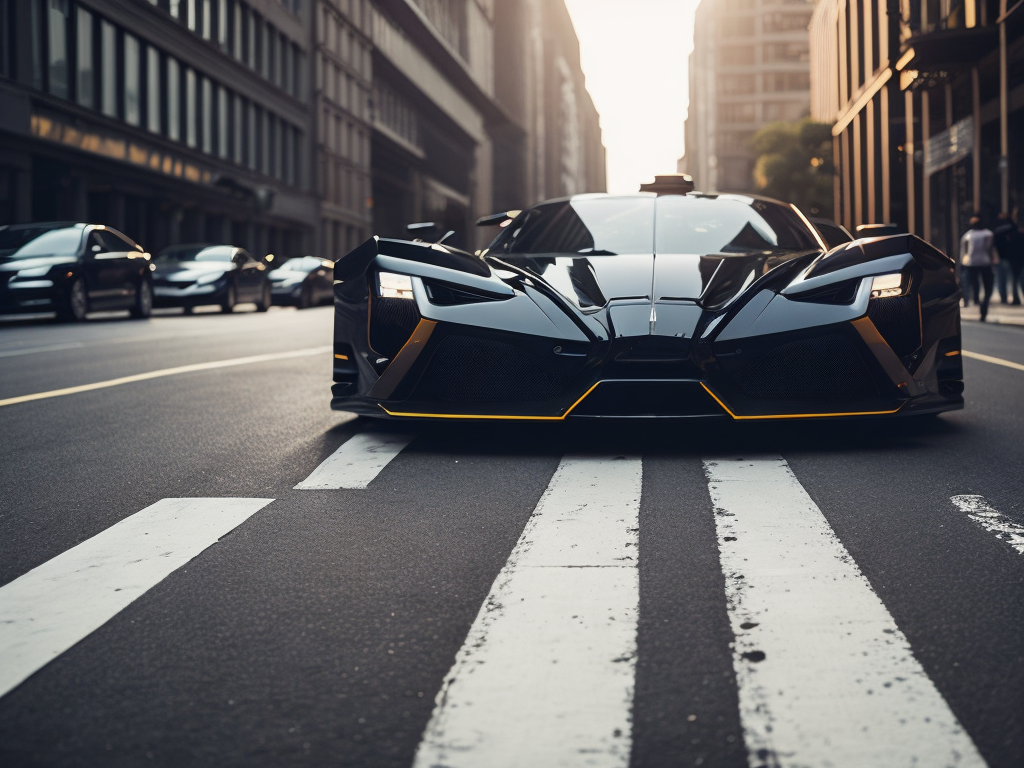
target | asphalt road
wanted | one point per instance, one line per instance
(581, 595)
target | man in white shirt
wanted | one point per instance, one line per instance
(978, 257)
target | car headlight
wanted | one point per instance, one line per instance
(394, 286)
(884, 286)
(35, 272)
(212, 277)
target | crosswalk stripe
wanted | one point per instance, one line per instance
(546, 674)
(825, 676)
(357, 462)
(980, 511)
(52, 607)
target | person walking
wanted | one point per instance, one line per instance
(978, 257)
(1009, 244)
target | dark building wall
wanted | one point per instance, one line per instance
(927, 113)
(180, 127)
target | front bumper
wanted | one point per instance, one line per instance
(167, 295)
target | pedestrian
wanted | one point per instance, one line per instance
(1009, 242)
(978, 257)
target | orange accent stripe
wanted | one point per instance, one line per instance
(488, 416)
(954, 353)
(795, 415)
(341, 357)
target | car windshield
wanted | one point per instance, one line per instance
(728, 224)
(30, 242)
(592, 226)
(195, 253)
(304, 264)
(606, 226)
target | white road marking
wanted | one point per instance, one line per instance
(44, 348)
(993, 521)
(357, 462)
(545, 676)
(57, 604)
(167, 372)
(825, 676)
(993, 360)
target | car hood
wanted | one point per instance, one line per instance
(35, 262)
(591, 282)
(192, 269)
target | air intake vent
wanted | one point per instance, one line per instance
(472, 370)
(392, 322)
(821, 368)
(899, 321)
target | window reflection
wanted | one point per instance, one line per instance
(132, 97)
(86, 89)
(108, 68)
(57, 18)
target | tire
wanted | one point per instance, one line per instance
(265, 299)
(143, 306)
(187, 309)
(305, 298)
(230, 299)
(76, 303)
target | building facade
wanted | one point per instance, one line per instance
(171, 120)
(750, 66)
(931, 96)
(289, 126)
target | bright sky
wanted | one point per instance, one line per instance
(634, 55)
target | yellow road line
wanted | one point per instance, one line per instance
(996, 360)
(167, 372)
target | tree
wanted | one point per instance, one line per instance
(794, 163)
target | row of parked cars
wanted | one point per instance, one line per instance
(75, 268)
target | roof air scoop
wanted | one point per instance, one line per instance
(669, 184)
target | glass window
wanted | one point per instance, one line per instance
(237, 146)
(289, 175)
(132, 65)
(37, 45)
(191, 103)
(207, 20)
(190, 14)
(57, 26)
(251, 145)
(238, 34)
(86, 83)
(174, 6)
(223, 126)
(594, 227)
(173, 99)
(251, 56)
(728, 224)
(108, 54)
(222, 23)
(207, 115)
(153, 90)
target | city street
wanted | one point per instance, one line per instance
(201, 564)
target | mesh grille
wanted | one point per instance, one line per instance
(898, 321)
(392, 322)
(825, 367)
(467, 369)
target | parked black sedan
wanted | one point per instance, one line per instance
(71, 269)
(189, 276)
(303, 282)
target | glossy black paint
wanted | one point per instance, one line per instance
(189, 276)
(303, 282)
(93, 268)
(764, 322)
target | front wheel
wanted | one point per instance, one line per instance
(263, 303)
(143, 306)
(306, 298)
(76, 303)
(230, 299)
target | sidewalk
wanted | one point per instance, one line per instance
(998, 313)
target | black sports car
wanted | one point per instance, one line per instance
(303, 282)
(188, 276)
(647, 305)
(72, 268)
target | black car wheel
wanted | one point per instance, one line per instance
(143, 306)
(263, 303)
(230, 299)
(76, 303)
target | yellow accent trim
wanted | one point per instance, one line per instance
(814, 230)
(905, 59)
(341, 357)
(489, 416)
(954, 353)
(795, 415)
